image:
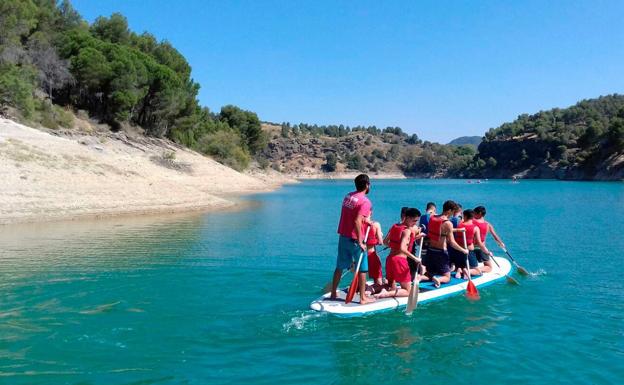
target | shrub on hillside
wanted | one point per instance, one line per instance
(52, 116)
(225, 147)
(16, 88)
(330, 162)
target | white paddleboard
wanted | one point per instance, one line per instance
(427, 293)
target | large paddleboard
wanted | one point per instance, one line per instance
(427, 293)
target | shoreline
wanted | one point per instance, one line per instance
(346, 176)
(55, 175)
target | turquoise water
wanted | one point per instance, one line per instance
(222, 298)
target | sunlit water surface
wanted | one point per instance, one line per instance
(223, 298)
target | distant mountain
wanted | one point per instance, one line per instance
(463, 140)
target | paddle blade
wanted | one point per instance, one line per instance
(512, 280)
(471, 291)
(352, 289)
(522, 270)
(412, 300)
(327, 287)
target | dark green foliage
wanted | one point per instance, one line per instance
(113, 29)
(225, 147)
(16, 88)
(247, 124)
(355, 162)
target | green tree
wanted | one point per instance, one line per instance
(17, 87)
(113, 29)
(330, 162)
(247, 124)
(355, 162)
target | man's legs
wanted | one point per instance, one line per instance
(363, 297)
(335, 282)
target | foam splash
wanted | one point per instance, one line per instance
(538, 273)
(300, 321)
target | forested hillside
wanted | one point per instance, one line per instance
(305, 149)
(585, 141)
(53, 63)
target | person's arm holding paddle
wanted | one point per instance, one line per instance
(496, 237)
(447, 228)
(479, 242)
(405, 243)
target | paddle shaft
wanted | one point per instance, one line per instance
(471, 289)
(510, 279)
(521, 269)
(412, 300)
(467, 259)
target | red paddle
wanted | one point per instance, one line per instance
(471, 289)
(355, 282)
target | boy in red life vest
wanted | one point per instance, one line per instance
(375, 237)
(440, 234)
(473, 239)
(355, 209)
(485, 228)
(400, 239)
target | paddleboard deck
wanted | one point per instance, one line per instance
(428, 293)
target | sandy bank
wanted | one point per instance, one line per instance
(47, 175)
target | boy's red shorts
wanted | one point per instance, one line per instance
(397, 269)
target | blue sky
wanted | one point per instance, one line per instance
(437, 69)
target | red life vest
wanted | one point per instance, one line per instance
(459, 238)
(435, 227)
(372, 235)
(394, 237)
(483, 229)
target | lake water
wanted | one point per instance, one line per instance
(223, 298)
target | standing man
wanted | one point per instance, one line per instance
(356, 207)
(485, 228)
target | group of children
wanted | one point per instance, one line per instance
(452, 242)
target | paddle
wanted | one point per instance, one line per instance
(521, 269)
(355, 281)
(509, 279)
(412, 300)
(328, 285)
(471, 289)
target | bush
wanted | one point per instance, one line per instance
(225, 147)
(330, 163)
(355, 162)
(53, 116)
(263, 162)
